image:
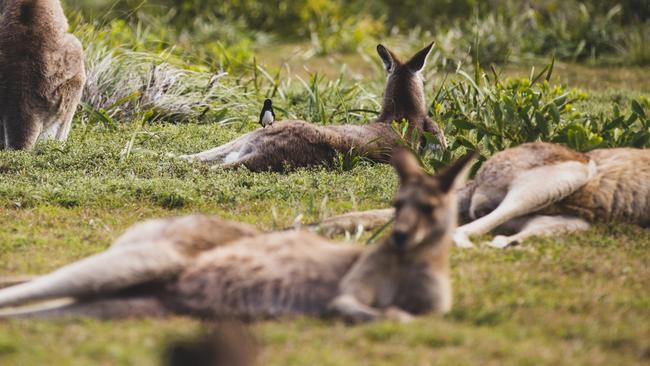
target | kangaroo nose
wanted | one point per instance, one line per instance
(399, 237)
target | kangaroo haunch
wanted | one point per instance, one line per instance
(207, 267)
(298, 143)
(41, 73)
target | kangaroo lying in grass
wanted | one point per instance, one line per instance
(206, 267)
(299, 144)
(41, 73)
(541, 189)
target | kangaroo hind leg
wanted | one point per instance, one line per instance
(529, 192)
(113, 270)
(541, 225)
(252, 160)
(21, 130)
(232, 149)
(110, 308)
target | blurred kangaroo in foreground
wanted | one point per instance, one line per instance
(206, 267)
(297, 143)
(41, 73)
(220, 344)
(541, 189)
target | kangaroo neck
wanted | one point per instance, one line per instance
(403, 101)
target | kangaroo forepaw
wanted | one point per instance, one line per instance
(462, 240)
(352, 311)
(398, 315)
(501, 242)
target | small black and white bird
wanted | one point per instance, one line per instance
(267, 116)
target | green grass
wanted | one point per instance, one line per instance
(577, 299)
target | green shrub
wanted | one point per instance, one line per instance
(487, 115)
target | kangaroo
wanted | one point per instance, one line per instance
(539, 189)
(544, 189)
(210, 268)
(41, 73)
(296, 143)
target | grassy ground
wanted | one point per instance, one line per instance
(578, 299)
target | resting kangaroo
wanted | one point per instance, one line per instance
(41, 73)
(541, 189)
(206, 267)
(298, 143)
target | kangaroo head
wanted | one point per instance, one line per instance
(404, 92)
(425, 205)
(43, 15)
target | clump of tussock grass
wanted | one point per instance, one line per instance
(125, 85)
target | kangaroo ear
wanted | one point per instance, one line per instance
(417, 62)
(389, 59)
(455, 175)
(406, 165)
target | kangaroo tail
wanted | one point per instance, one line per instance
(106, 272)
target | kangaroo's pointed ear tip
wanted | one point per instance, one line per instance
(381, 47)
(454, 175)
(467, 159)
(471, 155)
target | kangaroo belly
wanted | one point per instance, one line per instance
(266, 276)
(620, 191)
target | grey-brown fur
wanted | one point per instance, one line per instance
(207, 267)
(41, 73)
(545, 188)
(297, 143)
